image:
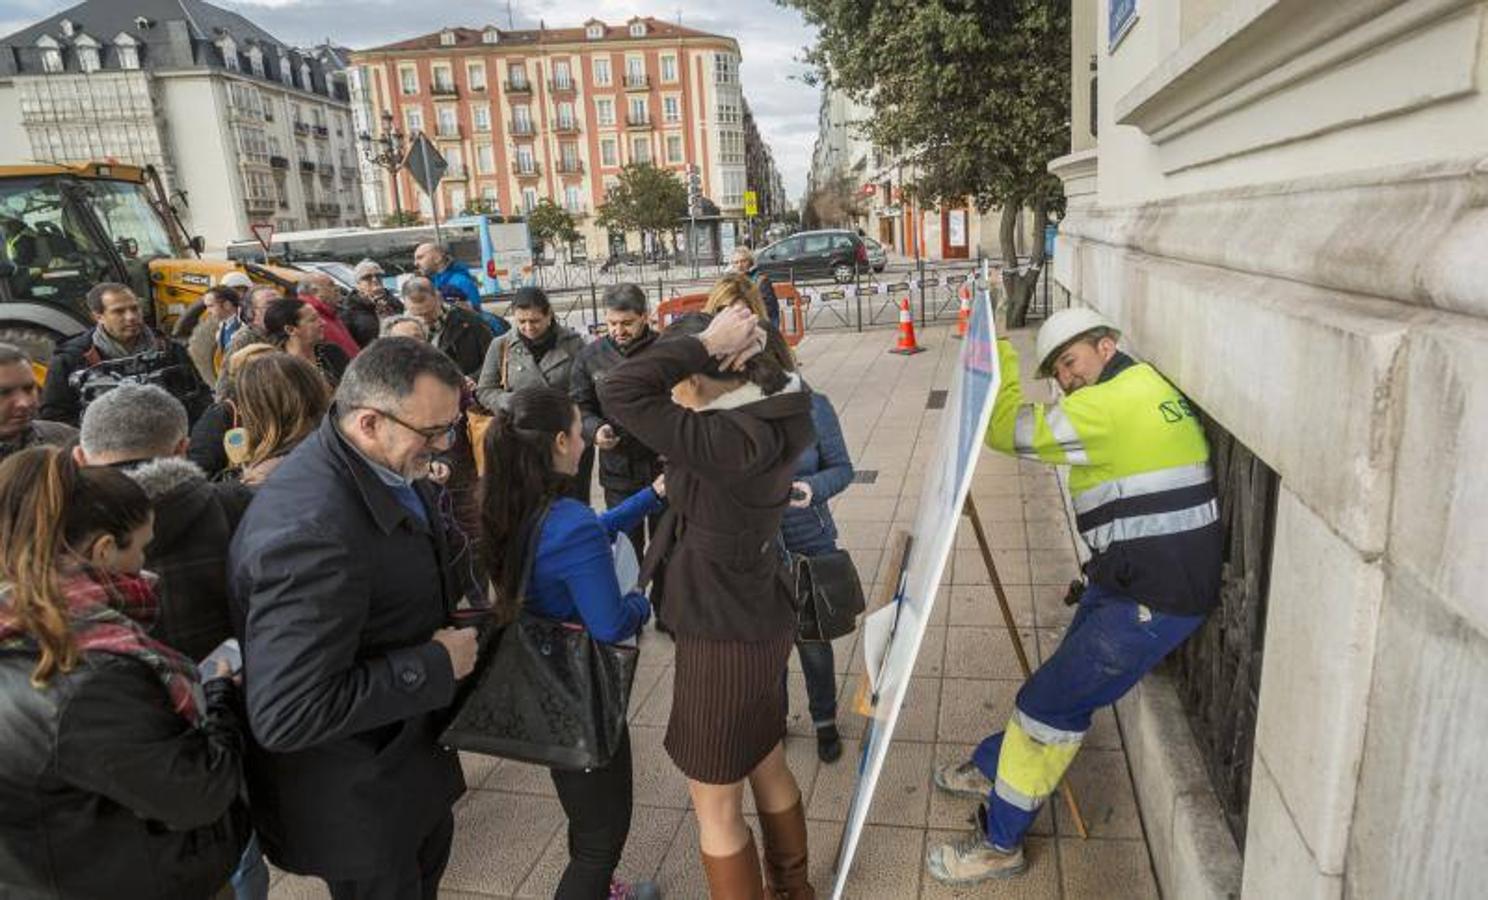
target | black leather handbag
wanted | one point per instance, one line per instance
(544, 692)
(829, 595)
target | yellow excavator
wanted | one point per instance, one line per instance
(67, 227)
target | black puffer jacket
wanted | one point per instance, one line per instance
(106, 792)
(194, 523)
(631, 465)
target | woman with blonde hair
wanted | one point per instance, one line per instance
(735, 288)
(280, 400)
(120, 771)
(208, 448)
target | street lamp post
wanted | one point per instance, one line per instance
(386, 151)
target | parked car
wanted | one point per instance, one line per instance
(840, 255)
(878, 257)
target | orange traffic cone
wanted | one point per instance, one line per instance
(963, 315)
(907, 345)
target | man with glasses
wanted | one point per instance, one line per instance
(344, 577)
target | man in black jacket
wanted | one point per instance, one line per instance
(457, 331)
(120, 339)
(142, 430)
(625, 464)
(344, 577)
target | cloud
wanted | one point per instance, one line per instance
(771, 39)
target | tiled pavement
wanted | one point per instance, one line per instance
(510, 828)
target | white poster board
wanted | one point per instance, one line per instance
(896, 630)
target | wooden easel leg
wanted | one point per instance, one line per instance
(970, 512)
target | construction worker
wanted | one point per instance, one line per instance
(1145, 504)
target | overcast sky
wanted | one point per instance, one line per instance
(770, 37)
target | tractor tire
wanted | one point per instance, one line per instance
(36, 343)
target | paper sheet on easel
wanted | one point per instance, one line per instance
(627, 567)
(877, 627)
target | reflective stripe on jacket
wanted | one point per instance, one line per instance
(1140, 478)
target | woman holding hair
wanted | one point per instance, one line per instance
(536, 352)
(532, 450)
(717, 399)
(296, 328)
(280, 401)
(119, 770)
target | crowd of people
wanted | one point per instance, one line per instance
(302, 487)
(233, 619)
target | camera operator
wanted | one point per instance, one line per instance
(119, 349)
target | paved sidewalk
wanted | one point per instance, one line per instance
(510, 828)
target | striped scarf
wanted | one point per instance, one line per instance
(111, 614)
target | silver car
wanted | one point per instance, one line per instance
(878, 257)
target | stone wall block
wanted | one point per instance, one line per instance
(1277, 860)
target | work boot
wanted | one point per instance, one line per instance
(785, 854)
(972, 858)
(828, 744)
(963, 780)
(735, 877)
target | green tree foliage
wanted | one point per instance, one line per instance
(549, 223)
(403, 219)
(646, 199)
(975, 93)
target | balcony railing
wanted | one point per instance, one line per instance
(259, 204)
(302, 128)
(324, 209)
(519, 87)
(562, 85)
(526, 170)
(637, 82)
(307, 166)
(566, 126)
(444, 89)
(448, 132)
(456, 172)
(520, 129)
(279, 162)
(570, 167)
(321, 131)
(633, 121)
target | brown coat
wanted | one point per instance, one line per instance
(728, 477)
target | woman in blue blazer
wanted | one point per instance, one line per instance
(532, 451)
(823, 471)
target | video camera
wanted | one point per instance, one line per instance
(155, 367)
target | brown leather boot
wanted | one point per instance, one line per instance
(735, 877)
(785, 853)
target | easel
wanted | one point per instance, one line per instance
(864, 701)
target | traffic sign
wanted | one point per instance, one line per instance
(751, 203)
(263, 232)
(425, 163)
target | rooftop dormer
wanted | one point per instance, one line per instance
(594, 29)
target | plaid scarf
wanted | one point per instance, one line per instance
(111, 614)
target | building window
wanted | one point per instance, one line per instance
(635, 71)
(566, 115)
(457, 200)
(669, 68)
(638, 28)
(569, 153)
(229, 49)
(448, 121)
(602, 71)
(516, 75)
(522, 119)
(594, 31)
(481, 116)
(485, 159)
(51, 60)
(525, 161)
(408, 80)
(490, 36)
(87, 58)
(255, 61)
(447, 38)
(640, 150)
(286, 75)
(443, 78)
(305, 82)
(671, 108)
(415, 120)
(475, 75)
(725, 69)
(562, 76)
(490, 200)
(573, 198)
(674, 148)
(608, 152)
(529, 199)
(604, 110)
(128, 54)
(637, 111)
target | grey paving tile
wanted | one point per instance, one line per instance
(1053, 566)
(976, 604)
(499, 838)
(658, 782)
(646, 680)
(477, 768)
(887, 864)
(987, 652)
(298, 887)
(651, 833)
(1111, 870)
(1103, 789)
(970, 710)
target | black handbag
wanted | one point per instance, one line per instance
(544, 691)
(829, 595)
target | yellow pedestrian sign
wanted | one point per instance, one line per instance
(751, 203)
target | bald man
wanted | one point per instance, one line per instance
(449, 277)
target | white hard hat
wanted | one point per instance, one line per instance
(1063, 327)
(235, 279)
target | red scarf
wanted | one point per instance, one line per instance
(112, 614)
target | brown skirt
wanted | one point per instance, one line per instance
(728, 706)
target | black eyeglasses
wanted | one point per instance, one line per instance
(432, 434)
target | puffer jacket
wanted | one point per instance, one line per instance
(631, 465)
(828, 469)
(105, 791)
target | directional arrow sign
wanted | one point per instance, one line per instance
(425, 164)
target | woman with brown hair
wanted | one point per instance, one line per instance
(716, 398)
(119, 769)
(295, 327)
(280, 400)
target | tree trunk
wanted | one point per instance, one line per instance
(1019, 282)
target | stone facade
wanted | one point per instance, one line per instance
(1284, 211)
